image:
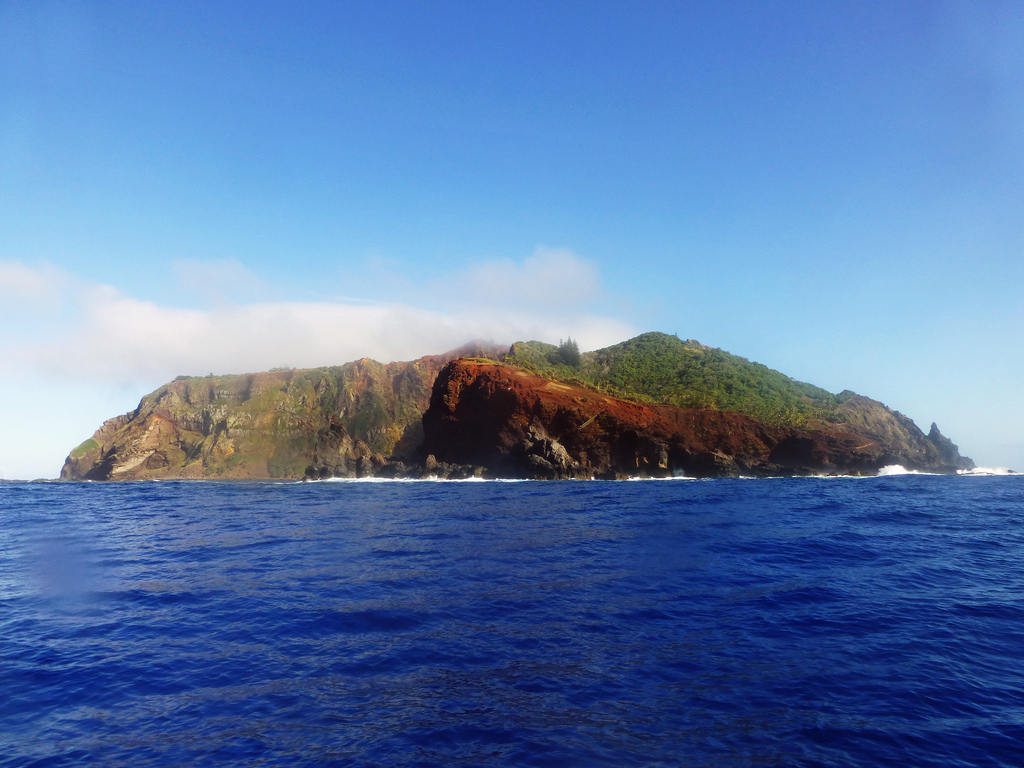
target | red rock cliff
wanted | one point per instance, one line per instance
(514, 423)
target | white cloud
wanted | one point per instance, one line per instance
(122, 339)
(217, 280)
(23, 285)
(555, 279)
(126, 341)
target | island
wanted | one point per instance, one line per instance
(652, 406)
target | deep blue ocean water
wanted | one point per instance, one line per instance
(786, 622)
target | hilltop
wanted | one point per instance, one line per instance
(659, 368)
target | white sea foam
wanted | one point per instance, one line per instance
(428, 479)
(669, 477)
(899, 469)
(887, 471)
(435, 479)
(836, 477)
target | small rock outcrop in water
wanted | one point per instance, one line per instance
(463, 414)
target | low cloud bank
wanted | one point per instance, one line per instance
(107, 336)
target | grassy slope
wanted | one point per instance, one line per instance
(661, 368)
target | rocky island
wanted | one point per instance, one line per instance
(653, 406)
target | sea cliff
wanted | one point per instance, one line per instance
(652, 406)
(517, 424)
(343, 421)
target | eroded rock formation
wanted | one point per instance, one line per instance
(514, 423)
(342, 421)
(454, 415)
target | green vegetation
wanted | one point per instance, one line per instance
(369, 416)
(533, 355)
(656, 367)
(540, 356)
(569, 353)
(290, 458)
(84, 448)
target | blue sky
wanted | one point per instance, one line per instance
(832, 189)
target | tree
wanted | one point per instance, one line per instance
(569, 352)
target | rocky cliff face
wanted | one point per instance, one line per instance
(341, 421)
(455, 415)
(514, 423)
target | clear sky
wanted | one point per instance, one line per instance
(834, 189)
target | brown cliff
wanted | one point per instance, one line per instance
(340, 421)
(622, 411)
(514, 423)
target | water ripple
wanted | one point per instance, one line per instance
(804, 622)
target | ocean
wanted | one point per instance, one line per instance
(732, 622)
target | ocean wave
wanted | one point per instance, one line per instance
(659, 479)
(987, 471)
(430, 479)
(898, 469)
(890, 470)
(839, 477)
